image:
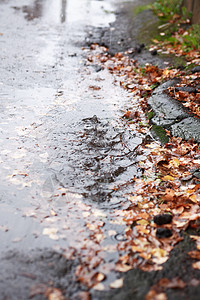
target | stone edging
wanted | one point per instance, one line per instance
(171, 114)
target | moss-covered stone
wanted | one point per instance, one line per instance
(159, 131)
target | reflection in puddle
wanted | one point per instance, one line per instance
(34, 11)
(63, 11)
(94, 13)
(38, 8)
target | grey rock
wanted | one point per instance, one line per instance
(172, 115)
(187, 129)
(167, 110)
(188, 89)
(165, 85)
(196, 69)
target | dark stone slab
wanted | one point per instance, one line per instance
(187, 129)
(166, 109)
(172, 115)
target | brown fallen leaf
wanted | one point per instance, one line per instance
(153, 295)
(194, 254)
(123, 267)
(173, 283)
(54, 294)
(169, 195)
(94, 87)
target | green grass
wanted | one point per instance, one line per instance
(175, 14)
(142, 8)
(192, 39)
(166, 9)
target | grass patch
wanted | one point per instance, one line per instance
(176, 34)
(167, 9)
(142, 8)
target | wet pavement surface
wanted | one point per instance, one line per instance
(63, 145)
(64, 148)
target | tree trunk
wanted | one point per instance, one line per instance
(194, 7)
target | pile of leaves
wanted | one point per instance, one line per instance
(162, 203)
(188, 92)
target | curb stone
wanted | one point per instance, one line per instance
(172, 115)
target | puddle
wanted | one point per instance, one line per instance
(34, 11)
(93, 157)
(87, 12)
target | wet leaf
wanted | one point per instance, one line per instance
(99, 287)
(123, 267)
(168, 177)
(173, 283)
(117, 283)
(153, 295)
(54, 294)
(142, 222)
(196, 265)
(193, 198)
(99, 277)
(194, 254)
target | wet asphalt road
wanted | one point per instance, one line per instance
(58, 135)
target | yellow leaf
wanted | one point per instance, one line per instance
(174, 162)
(193, 198)
(142, 222)
(160, 260)
(168, 177)
(137, 249)
(158, 252)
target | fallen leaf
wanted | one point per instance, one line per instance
(99, 277)
(117, 283)
(94, 87)
(142, 222)
(54, 294)
(123, 267)
(168, 178)
(169, 195)
(99, 287)
(196, 265)
(153, 295)
(159, 252)
(193, 198)
(174, 163)
(173, 283)
(194, 254)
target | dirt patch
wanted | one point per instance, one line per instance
(30, 276)
(137, 283)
